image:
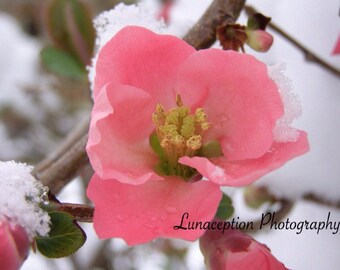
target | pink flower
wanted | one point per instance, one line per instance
(14, 245)
(236, 250)
(165, 113)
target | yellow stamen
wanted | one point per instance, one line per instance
(180, 134)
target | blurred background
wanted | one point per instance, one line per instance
(45, 92)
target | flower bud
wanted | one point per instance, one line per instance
(255, 196)
(259, 40)
(232, 249)
(14, 245)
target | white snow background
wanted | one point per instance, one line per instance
(314, 23)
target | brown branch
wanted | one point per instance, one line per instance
(81, 213)
(58, 170)
(309, 55)
(203, 34)
(321, 201)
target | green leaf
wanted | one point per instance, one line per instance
(62, 63)
(65, 237)
(225, 209)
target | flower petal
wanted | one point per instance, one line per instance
(138, 57)
(12, 256)
(118, 145)
(241, 173)
(141, 213)
(241, 101)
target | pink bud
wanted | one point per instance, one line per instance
(14, 245)
(336, 49)
(232, 249)
(259, 40)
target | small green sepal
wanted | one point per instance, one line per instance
(225, 209)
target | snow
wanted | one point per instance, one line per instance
(109, 22)
(283, 132)
(20, 195)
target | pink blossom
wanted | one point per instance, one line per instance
(236, 250)
(164, 113)
(14, 245)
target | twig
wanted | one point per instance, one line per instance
(322, 201)
(57, 170)
(81, 213)
(309, 55)
(203, 34)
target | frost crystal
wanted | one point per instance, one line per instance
(20, 194)
(283, 132)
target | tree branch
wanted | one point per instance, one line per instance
(58, 169)
(321, 201)
(309, 55)
(203, 34)
(81, 213)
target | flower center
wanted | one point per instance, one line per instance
(178, 133)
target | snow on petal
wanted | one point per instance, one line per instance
(141, 213)
(108, 23)
(283, 132)
(20, 195)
